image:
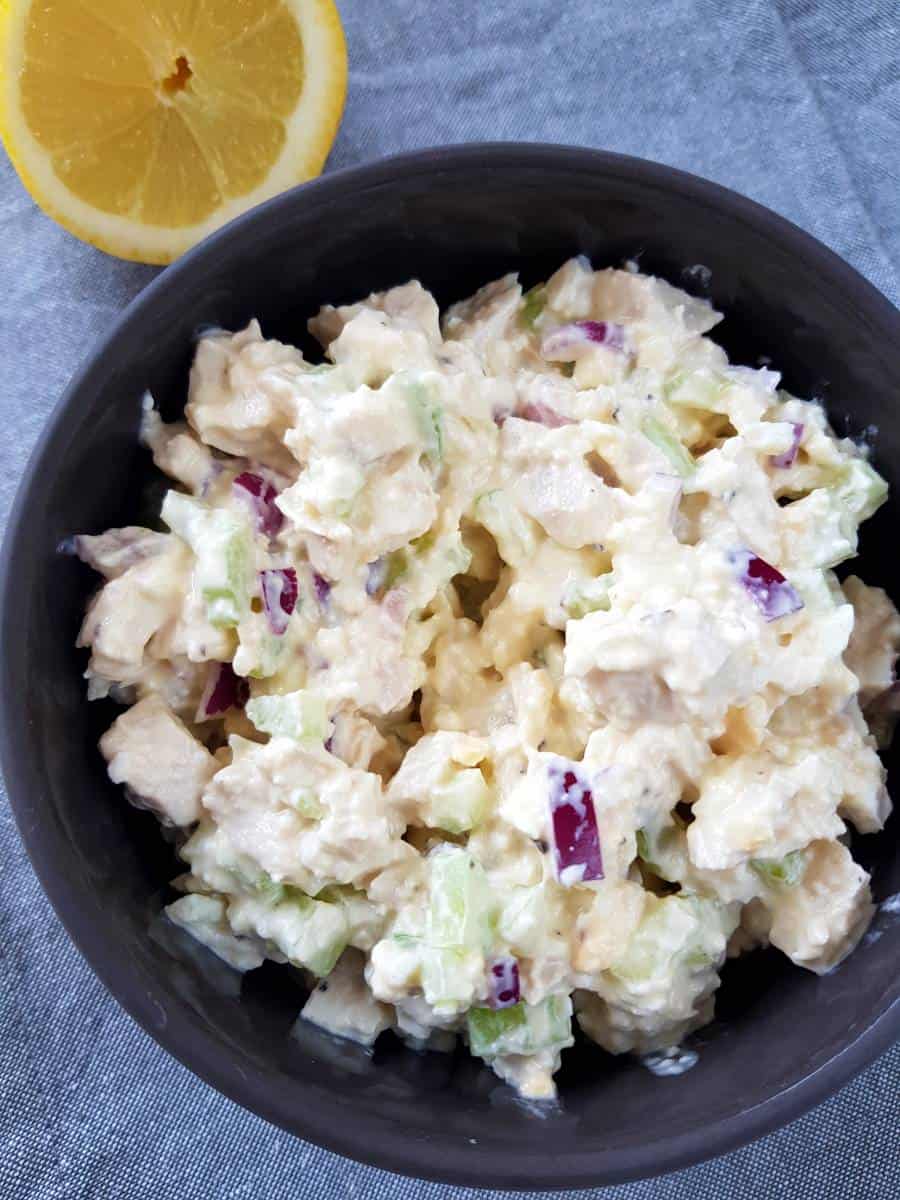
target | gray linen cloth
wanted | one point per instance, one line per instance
(795, 103)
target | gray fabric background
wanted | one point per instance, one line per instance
(793, 102)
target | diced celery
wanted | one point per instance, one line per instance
(666, 441)
(786, 872)
(204, 918)
(491, 1029)
(185, 516)
(533, 303)
(458, 928)
(655, 849)
(365, 919)
(696, 389)
(458, 914)
(645, 853)
(521, 1029)
(429, 417)
(259, 651)
(707, 943)
(396, 566)
(861, 491)
(320, 938)
(682, 929)
(270, 889)
(509, 528)
(447, 973)
(406, 939)
(583, 596)
(661, 934)
(222, 545)
(305, 803)
(440, 557)
(436, 562)
(460, 803)
(309, 933)
(300, 715)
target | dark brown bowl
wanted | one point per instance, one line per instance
(783, 1039)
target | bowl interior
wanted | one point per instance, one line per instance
(454, 219)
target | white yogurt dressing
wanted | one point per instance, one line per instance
(537, 668)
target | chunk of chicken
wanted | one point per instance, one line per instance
(154, 753)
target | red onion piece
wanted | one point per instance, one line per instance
(576, 839)
(567, 341)
(260, 495)
(224, 690)
(278, 587)
(322, 589)
(789, 457)
(765, 585)
(503, 978)
(376, 575)
(543, 416)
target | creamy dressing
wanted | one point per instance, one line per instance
(503, 646)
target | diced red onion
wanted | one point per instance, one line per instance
(376, 575)
(278, 587)
(543, 415)
(503, 980)
(566, 341)
(224, 690)
(500, 412)
(322, 588)
(789, 457)
(765, 585)
(260, 494)
(576, 839)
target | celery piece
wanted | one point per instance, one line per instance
(270, 889)
(318, 941)
(459, 900)
(446, 976)
(460, 803)
(696, 389)
(533, 303)
(521, 1029)
(665, 933)
(429, 418)
(583, 596)
(300, 715)
(222, 545)
(305, 803)
(490, 1030)
(645, 853)
(666, 441)
(785, 872)
(860, 490)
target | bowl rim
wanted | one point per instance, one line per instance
(196, 1047)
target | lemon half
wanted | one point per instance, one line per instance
(142, 125)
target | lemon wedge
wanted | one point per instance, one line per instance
(142, 125)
